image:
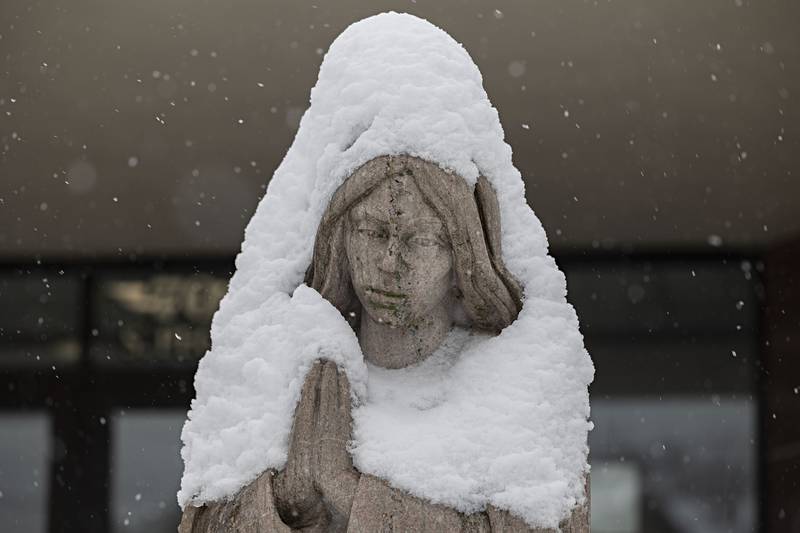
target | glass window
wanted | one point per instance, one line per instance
(681, 464)
(160, 320)
(40, 320)
(25, 453)
(674, 344)
(146, 470)
(616, 492)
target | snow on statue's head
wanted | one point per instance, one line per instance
(505, 420)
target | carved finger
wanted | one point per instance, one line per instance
(301, 441)
(335, 476)
(296, 497)
(334, 419)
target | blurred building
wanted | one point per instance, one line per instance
(658, 140)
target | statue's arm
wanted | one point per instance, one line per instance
(314, 492)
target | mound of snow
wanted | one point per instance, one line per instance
(500, 420)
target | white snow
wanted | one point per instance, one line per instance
(487, 420)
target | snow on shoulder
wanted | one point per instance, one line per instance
(506, 419)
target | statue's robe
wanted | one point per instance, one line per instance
(319, 490)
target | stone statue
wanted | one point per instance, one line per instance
(406, 252)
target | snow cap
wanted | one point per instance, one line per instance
(509, 423)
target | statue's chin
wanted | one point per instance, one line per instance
(393, 318)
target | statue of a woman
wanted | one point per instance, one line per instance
(404, 250)
(429, 387)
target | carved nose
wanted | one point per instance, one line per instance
(391, 257)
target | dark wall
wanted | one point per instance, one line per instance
(645, 123)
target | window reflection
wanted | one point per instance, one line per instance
(674, 401)
(674, 465)
(616, 492)
(25, 449)
(164, 319)
(146, 470)
(40, 320)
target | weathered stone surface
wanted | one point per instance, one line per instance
(320, 491)
(469, 220)
(378, 507)
(401, 269)
(252, 510)
(405, 247)
(318, 483)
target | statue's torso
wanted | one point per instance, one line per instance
(320, 491)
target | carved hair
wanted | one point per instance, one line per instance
(490, 296)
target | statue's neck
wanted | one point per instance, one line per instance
(401, 346)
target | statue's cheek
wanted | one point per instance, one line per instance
(434, 259)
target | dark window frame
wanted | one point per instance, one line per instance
(78, 396)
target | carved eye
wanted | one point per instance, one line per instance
(372, 233)
(424, 240)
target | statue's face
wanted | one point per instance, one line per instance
(400, 258)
